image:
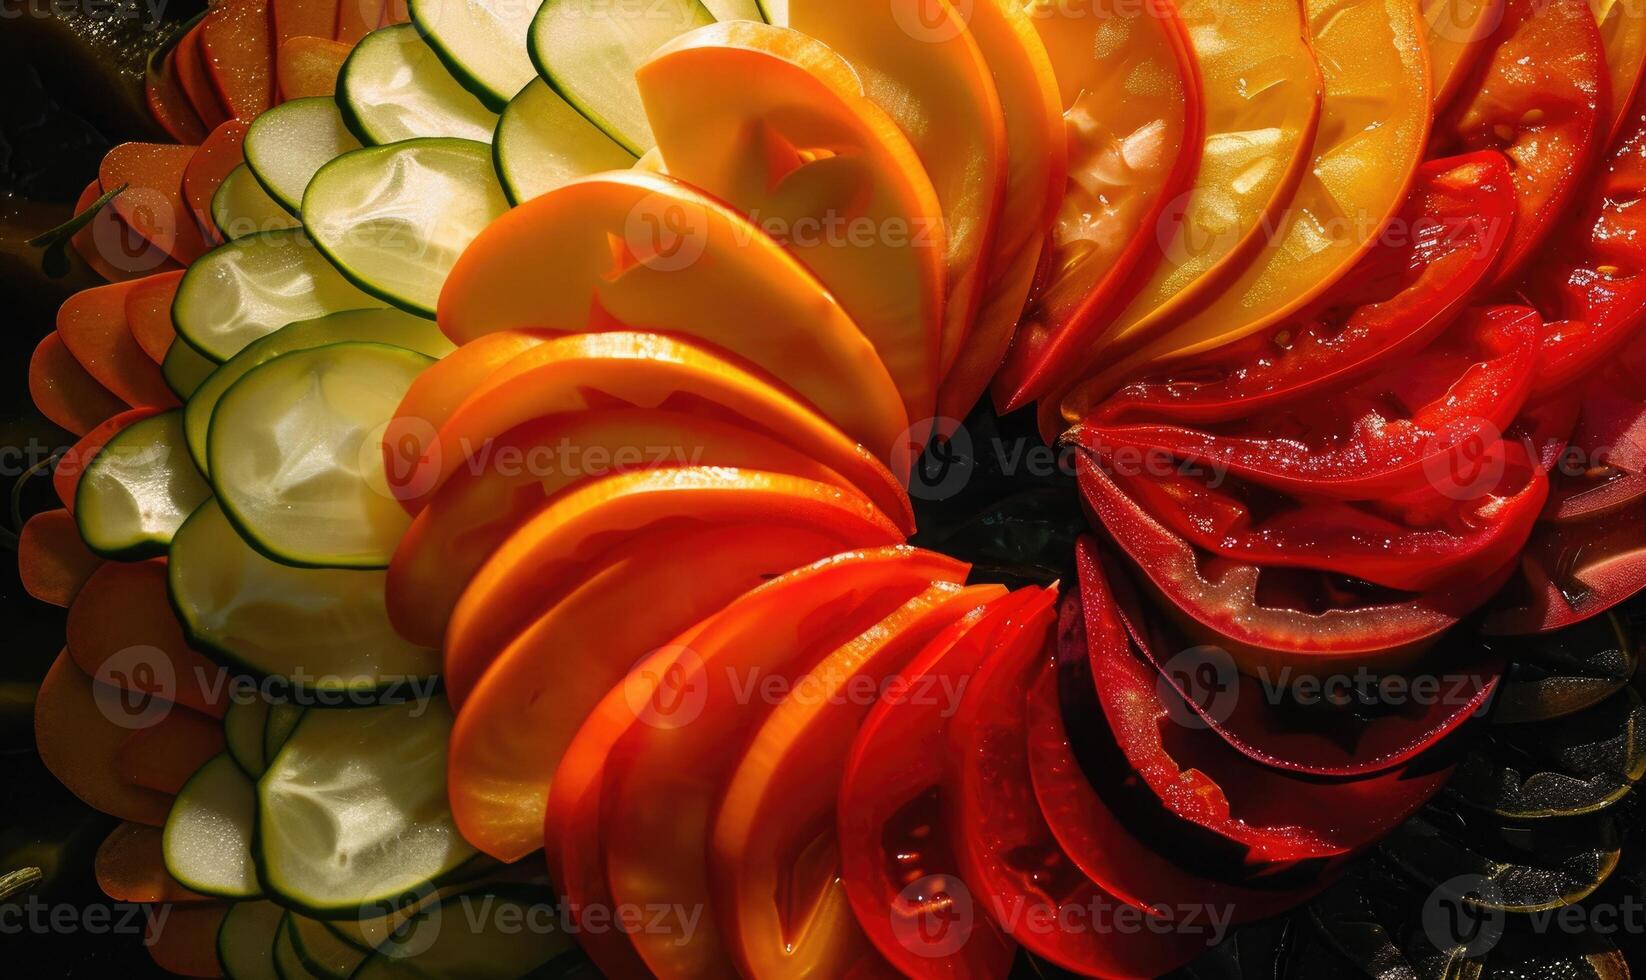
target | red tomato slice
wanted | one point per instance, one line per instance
(1273, 619)
(1010, 856)
(1409, 288)
(682, 704)
(775, 864)
(1540, 97)
(1087, 827)
(1570, 572)
(898, 864)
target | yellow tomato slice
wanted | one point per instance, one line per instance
(508, 478)
(776, 860)
(918, 61)
(776, 125)
(552, 550)
(1133, 120)
(663, 780)
(1374, 127)
(630, 250)
(515, 725)
(1623, 32)
(1456, 31)
(1262, 95)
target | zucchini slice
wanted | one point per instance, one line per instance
(481, 42)
(296, 459)
(353, 810)
(255, 285)
(320, 950)
(242, 207)
(394, 88)
(139, 489)
(286, 145)
(589, 50)
(245, 940)
(277, 727)
(395, 218)
(243, 734)
(477, 935)
(323, 630)
(542, 142)
(286, 961)
(185, 368)
(379, 326)
(207, 841)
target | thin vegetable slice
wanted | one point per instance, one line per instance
(208, 837)
(139, 490)
(286, 145)
(483, 43)
(394, 88)
(242, 207)
(542, 142)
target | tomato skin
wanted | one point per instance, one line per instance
(1408, 289)
(1009, 855)
(1572, 571)
(890, 817)
(1540, 95)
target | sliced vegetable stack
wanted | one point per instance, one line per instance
(495, 433)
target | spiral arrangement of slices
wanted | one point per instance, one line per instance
(522, 399)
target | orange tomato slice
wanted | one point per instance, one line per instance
(148, 313)
(204, 173)
(309, 66)
(920, 63)
(775, 862)
(508, 479)
(131, 867)
(517, 722)
(93, 326)
(1456, 31)
(77, 741)
(52, 561)
(64, 393)
(634, 250)
(547, 554)
(777, 125)
(152, 203)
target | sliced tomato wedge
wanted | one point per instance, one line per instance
(92, 323)
(148, 313)
(1623, 35)
(1540, 96)
(53, 563)
(1572, 571)
(898, 863)
(64, 392)
(1408, 289)
(775, 864)
(168, 103)
(78, 740)
(218, 154)
(152, 203)
(1458, 31)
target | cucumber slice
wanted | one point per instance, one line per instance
(353, 810)
(279, 725)
(320, 630)
(286, 961)
(242, 207)
(245, 940)
(255, 285)
(208, 835)
(589, 50)
(484, 935)
(139, 489)
(542, 142)
(243, 734)
(286, 145)
(724, 10)
(481, 42)
(185, 368)
(320, 950)
(379, 326)
(296, 459)
(393, 88)
(395, 218)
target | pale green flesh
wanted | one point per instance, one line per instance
(482, 42)
(474, 936)
(251, 287)
(322, 629)
(139, 490)
(320, 950)
(286, 960)
(243, 734)
(393, 88)
(185, 368)
(353, 810)
(589, 50)
(295, 451)
(395, 218)
(286, 145)
(242, 207)
(542, 142)
(379, 326)
(207, 839)
(245, 940)
(282, 720)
